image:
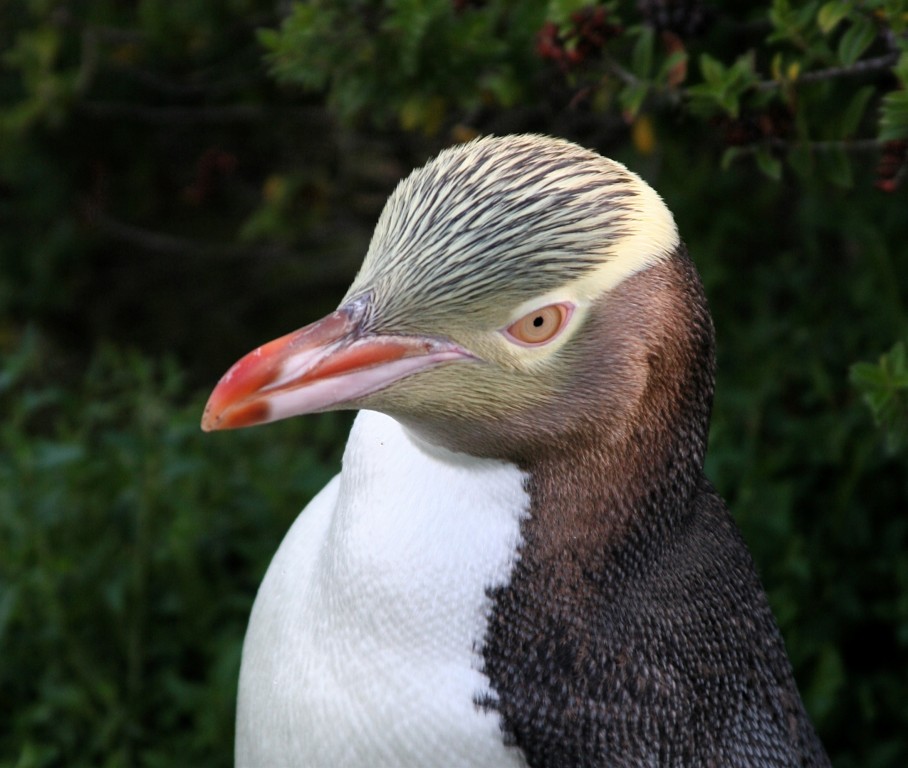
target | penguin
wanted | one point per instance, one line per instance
(521, 562)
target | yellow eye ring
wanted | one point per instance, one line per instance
(540, 326)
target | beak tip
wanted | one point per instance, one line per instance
(209, 419)
(235, 416)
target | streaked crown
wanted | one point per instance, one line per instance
(501, 219)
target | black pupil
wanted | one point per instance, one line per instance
(538, 321)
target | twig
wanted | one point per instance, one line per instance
(332, 270)
(625, 76)
(158, 242)
(177, 90)
(855, 145)
(848, 145)
(232, 113)
(858, 68)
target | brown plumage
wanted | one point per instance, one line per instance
(634, 630)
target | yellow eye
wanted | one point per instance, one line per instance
(540, 325)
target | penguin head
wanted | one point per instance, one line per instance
(499, 306)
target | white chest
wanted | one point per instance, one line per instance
(363, 645)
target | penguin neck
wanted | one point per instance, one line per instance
(588, 505)
(628, 482)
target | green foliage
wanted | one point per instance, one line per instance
(894, 117)
(773, 96)
(722, 87)
(132, 546)
(139, 143)
(885, 390)
(411, 60)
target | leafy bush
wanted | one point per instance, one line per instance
(132, 547)
(780, 81)
(885, 388)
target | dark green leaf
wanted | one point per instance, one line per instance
(894, 116)
(768, 164)
(851, 116)
(642, 58)
(669, 64)
(836, 166)
(729, 156)
(831, 14)
(901, 69)
(632, 99)
(712, 69)
(884, 386)
(801, 160)
(856, 40)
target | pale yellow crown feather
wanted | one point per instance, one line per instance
(505, 219)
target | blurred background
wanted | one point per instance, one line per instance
(180, 182)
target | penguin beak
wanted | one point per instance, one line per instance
(325, 366)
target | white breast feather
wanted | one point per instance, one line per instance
(363, 645)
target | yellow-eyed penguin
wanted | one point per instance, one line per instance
(521, 562)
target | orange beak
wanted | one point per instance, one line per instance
(325, 366)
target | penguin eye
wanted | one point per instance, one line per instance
(540, 326)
